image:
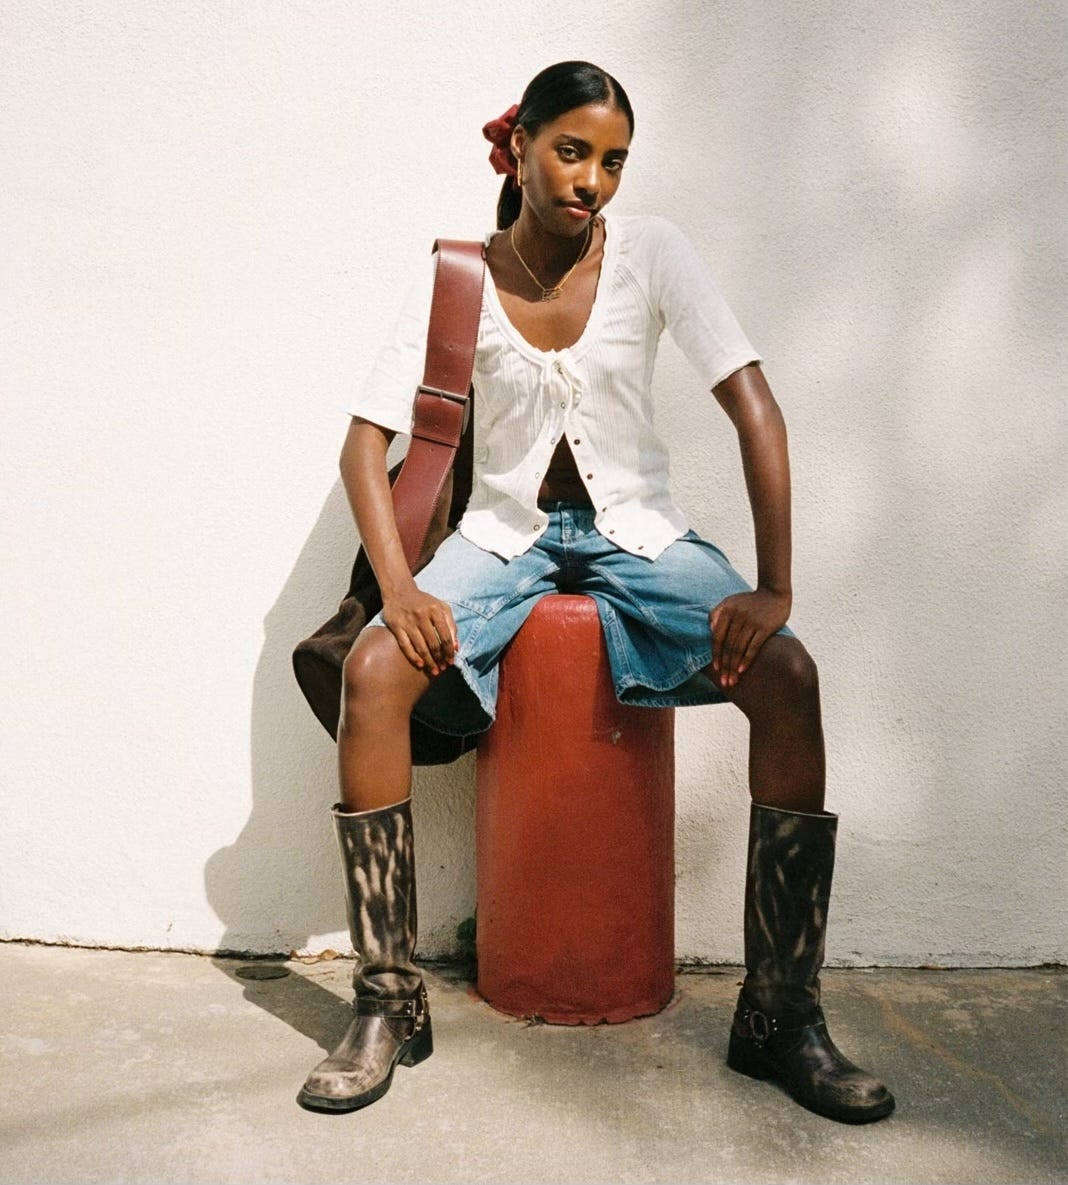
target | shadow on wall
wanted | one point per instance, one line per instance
(909, 260)
(277, 887)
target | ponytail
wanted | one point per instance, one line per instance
(509, 203)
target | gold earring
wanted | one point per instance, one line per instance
(519, 173)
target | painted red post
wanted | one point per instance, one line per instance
(576, 828)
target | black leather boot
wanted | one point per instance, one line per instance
(779, 1031)
(392, 1020)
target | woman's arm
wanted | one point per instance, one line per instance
(741, 624)
(423, 625)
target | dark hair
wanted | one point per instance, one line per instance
(550, 94)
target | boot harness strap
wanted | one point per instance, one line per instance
(395, 1009)
(763, 1026)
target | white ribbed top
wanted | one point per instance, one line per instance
(597, 391)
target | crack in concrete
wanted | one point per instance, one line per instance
(897, 1023)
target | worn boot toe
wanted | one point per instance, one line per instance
(361, 1069)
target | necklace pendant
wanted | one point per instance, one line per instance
(550, 293)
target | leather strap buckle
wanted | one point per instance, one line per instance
(760, 1026)
(452, 397)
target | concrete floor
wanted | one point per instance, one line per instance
(147, 1067)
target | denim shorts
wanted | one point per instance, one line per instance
(654, 614)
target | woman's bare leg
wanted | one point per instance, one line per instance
(780, 697)
(380, 688)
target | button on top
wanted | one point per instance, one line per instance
(576, 441)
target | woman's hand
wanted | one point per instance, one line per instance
(741, 624)
(424, 629)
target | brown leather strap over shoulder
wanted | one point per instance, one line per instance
(442, 399)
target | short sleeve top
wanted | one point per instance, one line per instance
(596, 392)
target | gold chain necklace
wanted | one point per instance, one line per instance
(553, 292)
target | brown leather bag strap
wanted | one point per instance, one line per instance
(442, 399)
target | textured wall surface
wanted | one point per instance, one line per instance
(206, 209)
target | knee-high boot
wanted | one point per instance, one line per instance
(779, 1030)
(392, 1020)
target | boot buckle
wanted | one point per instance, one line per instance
(760, 1027)
(423, 1011)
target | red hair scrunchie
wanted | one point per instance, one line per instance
(499, 133)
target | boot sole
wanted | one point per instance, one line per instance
(744, 1058)
(411, 1053)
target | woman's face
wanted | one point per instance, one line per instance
(572, 167)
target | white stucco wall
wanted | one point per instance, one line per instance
(206, 208)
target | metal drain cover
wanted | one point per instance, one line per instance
(262, 971)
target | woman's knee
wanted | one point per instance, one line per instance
(376, 676)
(785, 671)
(797, 668)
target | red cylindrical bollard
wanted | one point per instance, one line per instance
(575, 918)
